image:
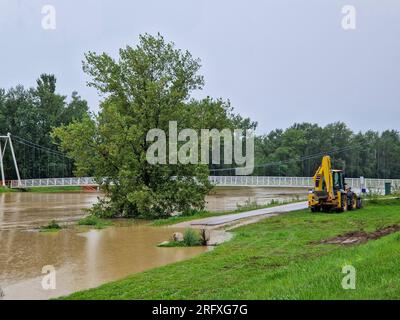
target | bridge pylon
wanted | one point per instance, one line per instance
(4, 140)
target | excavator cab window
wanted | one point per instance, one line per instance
(338, 180)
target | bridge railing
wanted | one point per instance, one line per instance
(301, 182)
(54, 182)
(261, 181)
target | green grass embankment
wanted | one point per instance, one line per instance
(43, 189)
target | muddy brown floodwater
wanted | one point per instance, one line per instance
(85, 258)
(228, 198)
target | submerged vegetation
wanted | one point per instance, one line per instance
(53, 226)
(191, 238)
(94, 221)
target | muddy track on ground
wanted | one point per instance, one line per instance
(361, 236)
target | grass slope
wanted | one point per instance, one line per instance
(54, 189)
(279, 259)
(6, 190)
(44, 189)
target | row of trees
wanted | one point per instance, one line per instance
(297, 151)
(30, 115)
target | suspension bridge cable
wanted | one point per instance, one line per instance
(300, 159)
(35, 158)
(33, 144)
(50, 151)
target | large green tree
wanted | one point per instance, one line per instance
(147, 87)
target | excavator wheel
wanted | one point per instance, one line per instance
(316, 209)
(344, 204)
(326, 209)
(355, 202)
(358, 203)
(351, 202)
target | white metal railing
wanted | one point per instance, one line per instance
(241, 181)
(261, 181)
(54, 182)
(301, 182)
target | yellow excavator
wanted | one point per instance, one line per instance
(330, 191)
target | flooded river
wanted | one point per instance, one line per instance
(84, 258)
(229, 198)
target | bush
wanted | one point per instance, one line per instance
(93, 220)
(191, 212)
(191, 238)
(52, 226)
(102, 209)
(90, 220)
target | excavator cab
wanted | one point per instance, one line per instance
(338, 180)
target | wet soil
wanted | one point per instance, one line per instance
(361, 236)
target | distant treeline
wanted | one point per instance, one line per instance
(29, 114)
(297, 151)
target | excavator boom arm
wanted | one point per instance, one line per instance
(323, 177)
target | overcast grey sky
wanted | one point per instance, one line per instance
(278, 61)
